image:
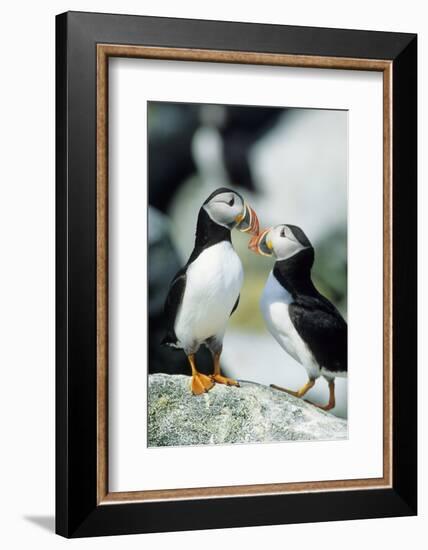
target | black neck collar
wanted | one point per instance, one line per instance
(208, 233)
(294, 273)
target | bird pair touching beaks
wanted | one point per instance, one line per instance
(205, 292)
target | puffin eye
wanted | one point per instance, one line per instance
(231, 202)
(282, 234)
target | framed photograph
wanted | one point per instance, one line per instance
(231, 199)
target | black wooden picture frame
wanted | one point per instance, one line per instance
(79, 510)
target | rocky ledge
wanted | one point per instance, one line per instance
(250, 414)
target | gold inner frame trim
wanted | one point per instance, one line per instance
(104, 51)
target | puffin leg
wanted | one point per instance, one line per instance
(331, 399)
(200, 383)
(217, 376)
(299, 393)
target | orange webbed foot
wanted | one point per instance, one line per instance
(201, 383)
(220, 379)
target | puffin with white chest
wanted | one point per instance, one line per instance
(305, 323)
(205, 292)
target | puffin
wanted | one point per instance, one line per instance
(303, 321)
(205, 292)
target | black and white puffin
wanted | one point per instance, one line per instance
(304, 323)
(205, 292)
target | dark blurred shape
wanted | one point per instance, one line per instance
(331, 268)
(171, 128)
(244, 127)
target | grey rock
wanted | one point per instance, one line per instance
(252, 413)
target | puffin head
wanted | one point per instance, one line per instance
(228, 209)
(282, 241)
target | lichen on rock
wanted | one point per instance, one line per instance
(252, 413)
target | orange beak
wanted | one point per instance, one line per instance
(248, 222)
(260, 244)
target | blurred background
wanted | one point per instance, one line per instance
(291, 166)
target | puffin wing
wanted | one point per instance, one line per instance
(324, 330)
(172, 304)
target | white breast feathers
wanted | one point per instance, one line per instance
(213, 283)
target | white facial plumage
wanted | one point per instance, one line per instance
(283, 243)
(225, 208)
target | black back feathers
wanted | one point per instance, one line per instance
(324, 330)
(172, 304)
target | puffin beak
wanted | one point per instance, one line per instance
(261, 244)
(248, 222)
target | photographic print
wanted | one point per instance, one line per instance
(227, 253)
(247, 274)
